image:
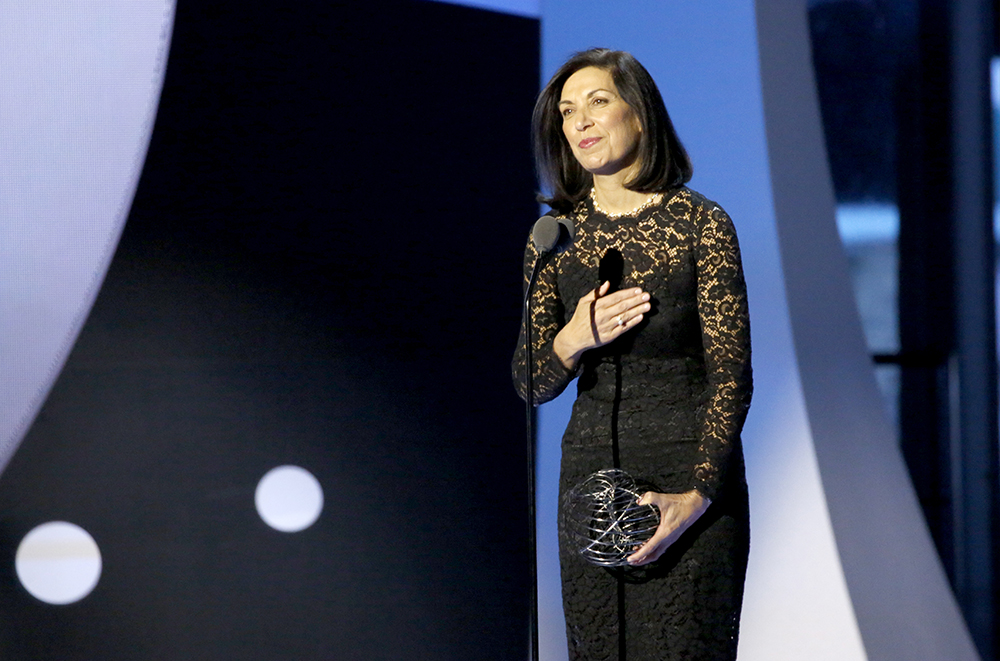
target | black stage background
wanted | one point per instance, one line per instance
(321, 268)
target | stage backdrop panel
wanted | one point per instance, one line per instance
(321, 268)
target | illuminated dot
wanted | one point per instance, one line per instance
(58, 562)
(289, 498)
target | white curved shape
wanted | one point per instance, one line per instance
(79, 85)
(901, 598)
(58, 563)
(841, 567)
(289, 498)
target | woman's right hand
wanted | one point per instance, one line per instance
(600, 318)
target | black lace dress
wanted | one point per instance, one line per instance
(665, 402)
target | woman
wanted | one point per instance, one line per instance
(648, 307)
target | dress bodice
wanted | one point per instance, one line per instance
(692, 347)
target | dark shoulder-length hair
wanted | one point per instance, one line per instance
(664, 163)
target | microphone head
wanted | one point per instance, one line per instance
(611, 269)
(545, 234)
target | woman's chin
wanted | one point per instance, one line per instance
(600, 168)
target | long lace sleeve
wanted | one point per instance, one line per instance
(725, 329)
(549, 376)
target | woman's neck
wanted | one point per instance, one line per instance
(613, 198)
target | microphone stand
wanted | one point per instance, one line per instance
(530, 426)
(548, 235)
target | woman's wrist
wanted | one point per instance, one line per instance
(699, 501)
(564, 352)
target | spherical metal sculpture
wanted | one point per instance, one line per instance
(603, 519)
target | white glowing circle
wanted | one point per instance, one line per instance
(289, 498)
(58, 562)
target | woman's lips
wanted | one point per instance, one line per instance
(588, 142)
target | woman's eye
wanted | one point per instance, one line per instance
(566, 112)
(599, 101)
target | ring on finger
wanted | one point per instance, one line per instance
(619, 321)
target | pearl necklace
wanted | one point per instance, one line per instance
(651, 200)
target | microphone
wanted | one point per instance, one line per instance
(545, 234)
(611, 269)
(550, 234)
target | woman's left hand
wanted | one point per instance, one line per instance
(678, 511)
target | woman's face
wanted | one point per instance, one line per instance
(603, 131)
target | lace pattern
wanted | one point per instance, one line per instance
(685, 253)
(666, 402)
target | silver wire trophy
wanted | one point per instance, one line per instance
(603, 519)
